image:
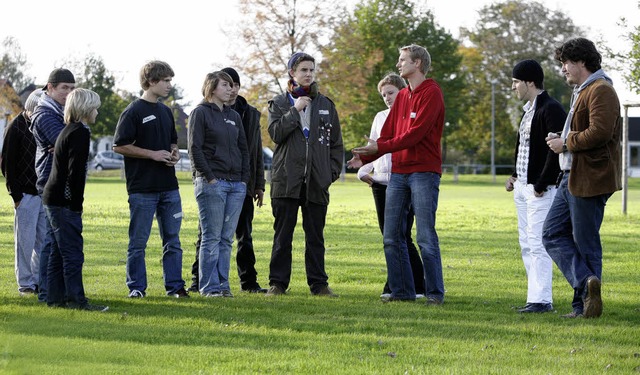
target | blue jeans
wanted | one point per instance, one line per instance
(66, 259)
(419, 190)
(48, 246)
(219, 206)
(167, 208)
(571, 235)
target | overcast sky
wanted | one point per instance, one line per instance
(188, 35)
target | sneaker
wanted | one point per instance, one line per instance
(136, 294)
(325, 291)
(181, 293)
(90, 307)
(255, 289)
(420, 296)
(434, 301)
(572, 315)
(28, 292)
(227, 294)
(536, 308)
(385, 295)
(275, 290)
(388, 298)
(212, 295)
(592, 300)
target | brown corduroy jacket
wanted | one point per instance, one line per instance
(594, 141)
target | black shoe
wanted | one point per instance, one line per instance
(388, 298)
(325, 291)
(572, 315)
(28, 292)
(275, 290)
(256, 289)
(181, 293)
(536, 308)
(592, 301)
(193, 288)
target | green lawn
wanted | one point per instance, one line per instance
(475, 331)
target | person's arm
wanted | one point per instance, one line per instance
(604, 111)
(196, 137)
(10, 149)
(553, 119)
(133, 151)
(78, 155)
(282, 121)
(337, 148)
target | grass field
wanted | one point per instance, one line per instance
(476, 330)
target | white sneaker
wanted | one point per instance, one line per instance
(136, 294)
(418, 296)
(385, 295)
(211, 295)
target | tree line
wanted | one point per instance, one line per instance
(357, 47)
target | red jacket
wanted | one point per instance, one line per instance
(413, 130)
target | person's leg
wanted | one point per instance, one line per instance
(56, 291)
(557, 238)
(245, 257)
(425, 189)
(196, 264)
(211, 214)
(24, 230)
(379, 197)
(235, 192)
(70, 243)
(313, 222)
(45, 252)
(417, 268)
(142, 208)
(399, 275)
(285, 213)
(540, 271)
(169, 217)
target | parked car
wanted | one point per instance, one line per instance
(184, 164)
(267, 158)
(107, 160)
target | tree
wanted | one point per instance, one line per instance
(506, 33)
(13, 64)
(365, 48)
(270, 32)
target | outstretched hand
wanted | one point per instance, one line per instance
(355, 162)
(370, 149)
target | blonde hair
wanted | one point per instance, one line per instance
(80, 103)
(392, 79)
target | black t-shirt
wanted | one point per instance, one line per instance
(150, 126)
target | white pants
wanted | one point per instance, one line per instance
(29, 230)
(532, 211)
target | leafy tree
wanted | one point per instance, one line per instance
(270, 32)
(627, 61)
(506, 33)
(13, 64)
(365, 48)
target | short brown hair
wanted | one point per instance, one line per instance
(154, 71)
(417, 52)
(211, 83)
(392, 79)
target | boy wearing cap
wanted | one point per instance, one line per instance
(18, 167)
(245, 257)
(533, 181)
(308, 158)
(46, 124)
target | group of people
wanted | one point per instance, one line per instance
(567, 166)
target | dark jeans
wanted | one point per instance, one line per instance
(64, 271)
(379, 197)
(285, 212)
(245, 258)
(571, 236)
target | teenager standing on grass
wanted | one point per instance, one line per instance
(220, 161)
(533, 181)
(29, 226)
(412, 133)
(589, 149)
(46, 124)
(388, 88)
(308, 158)
(146, 136)
(63, 197)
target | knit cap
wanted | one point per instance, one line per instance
(32, 100)
(529, 71)
(234, 75)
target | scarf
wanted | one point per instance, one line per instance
(565, 158)
(297, 91)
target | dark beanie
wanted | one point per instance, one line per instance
(294, 59)
(529, 71)
(234, 75)
(60, 75)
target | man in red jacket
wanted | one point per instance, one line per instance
(412, 134)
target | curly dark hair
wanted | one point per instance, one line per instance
(580, 49)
